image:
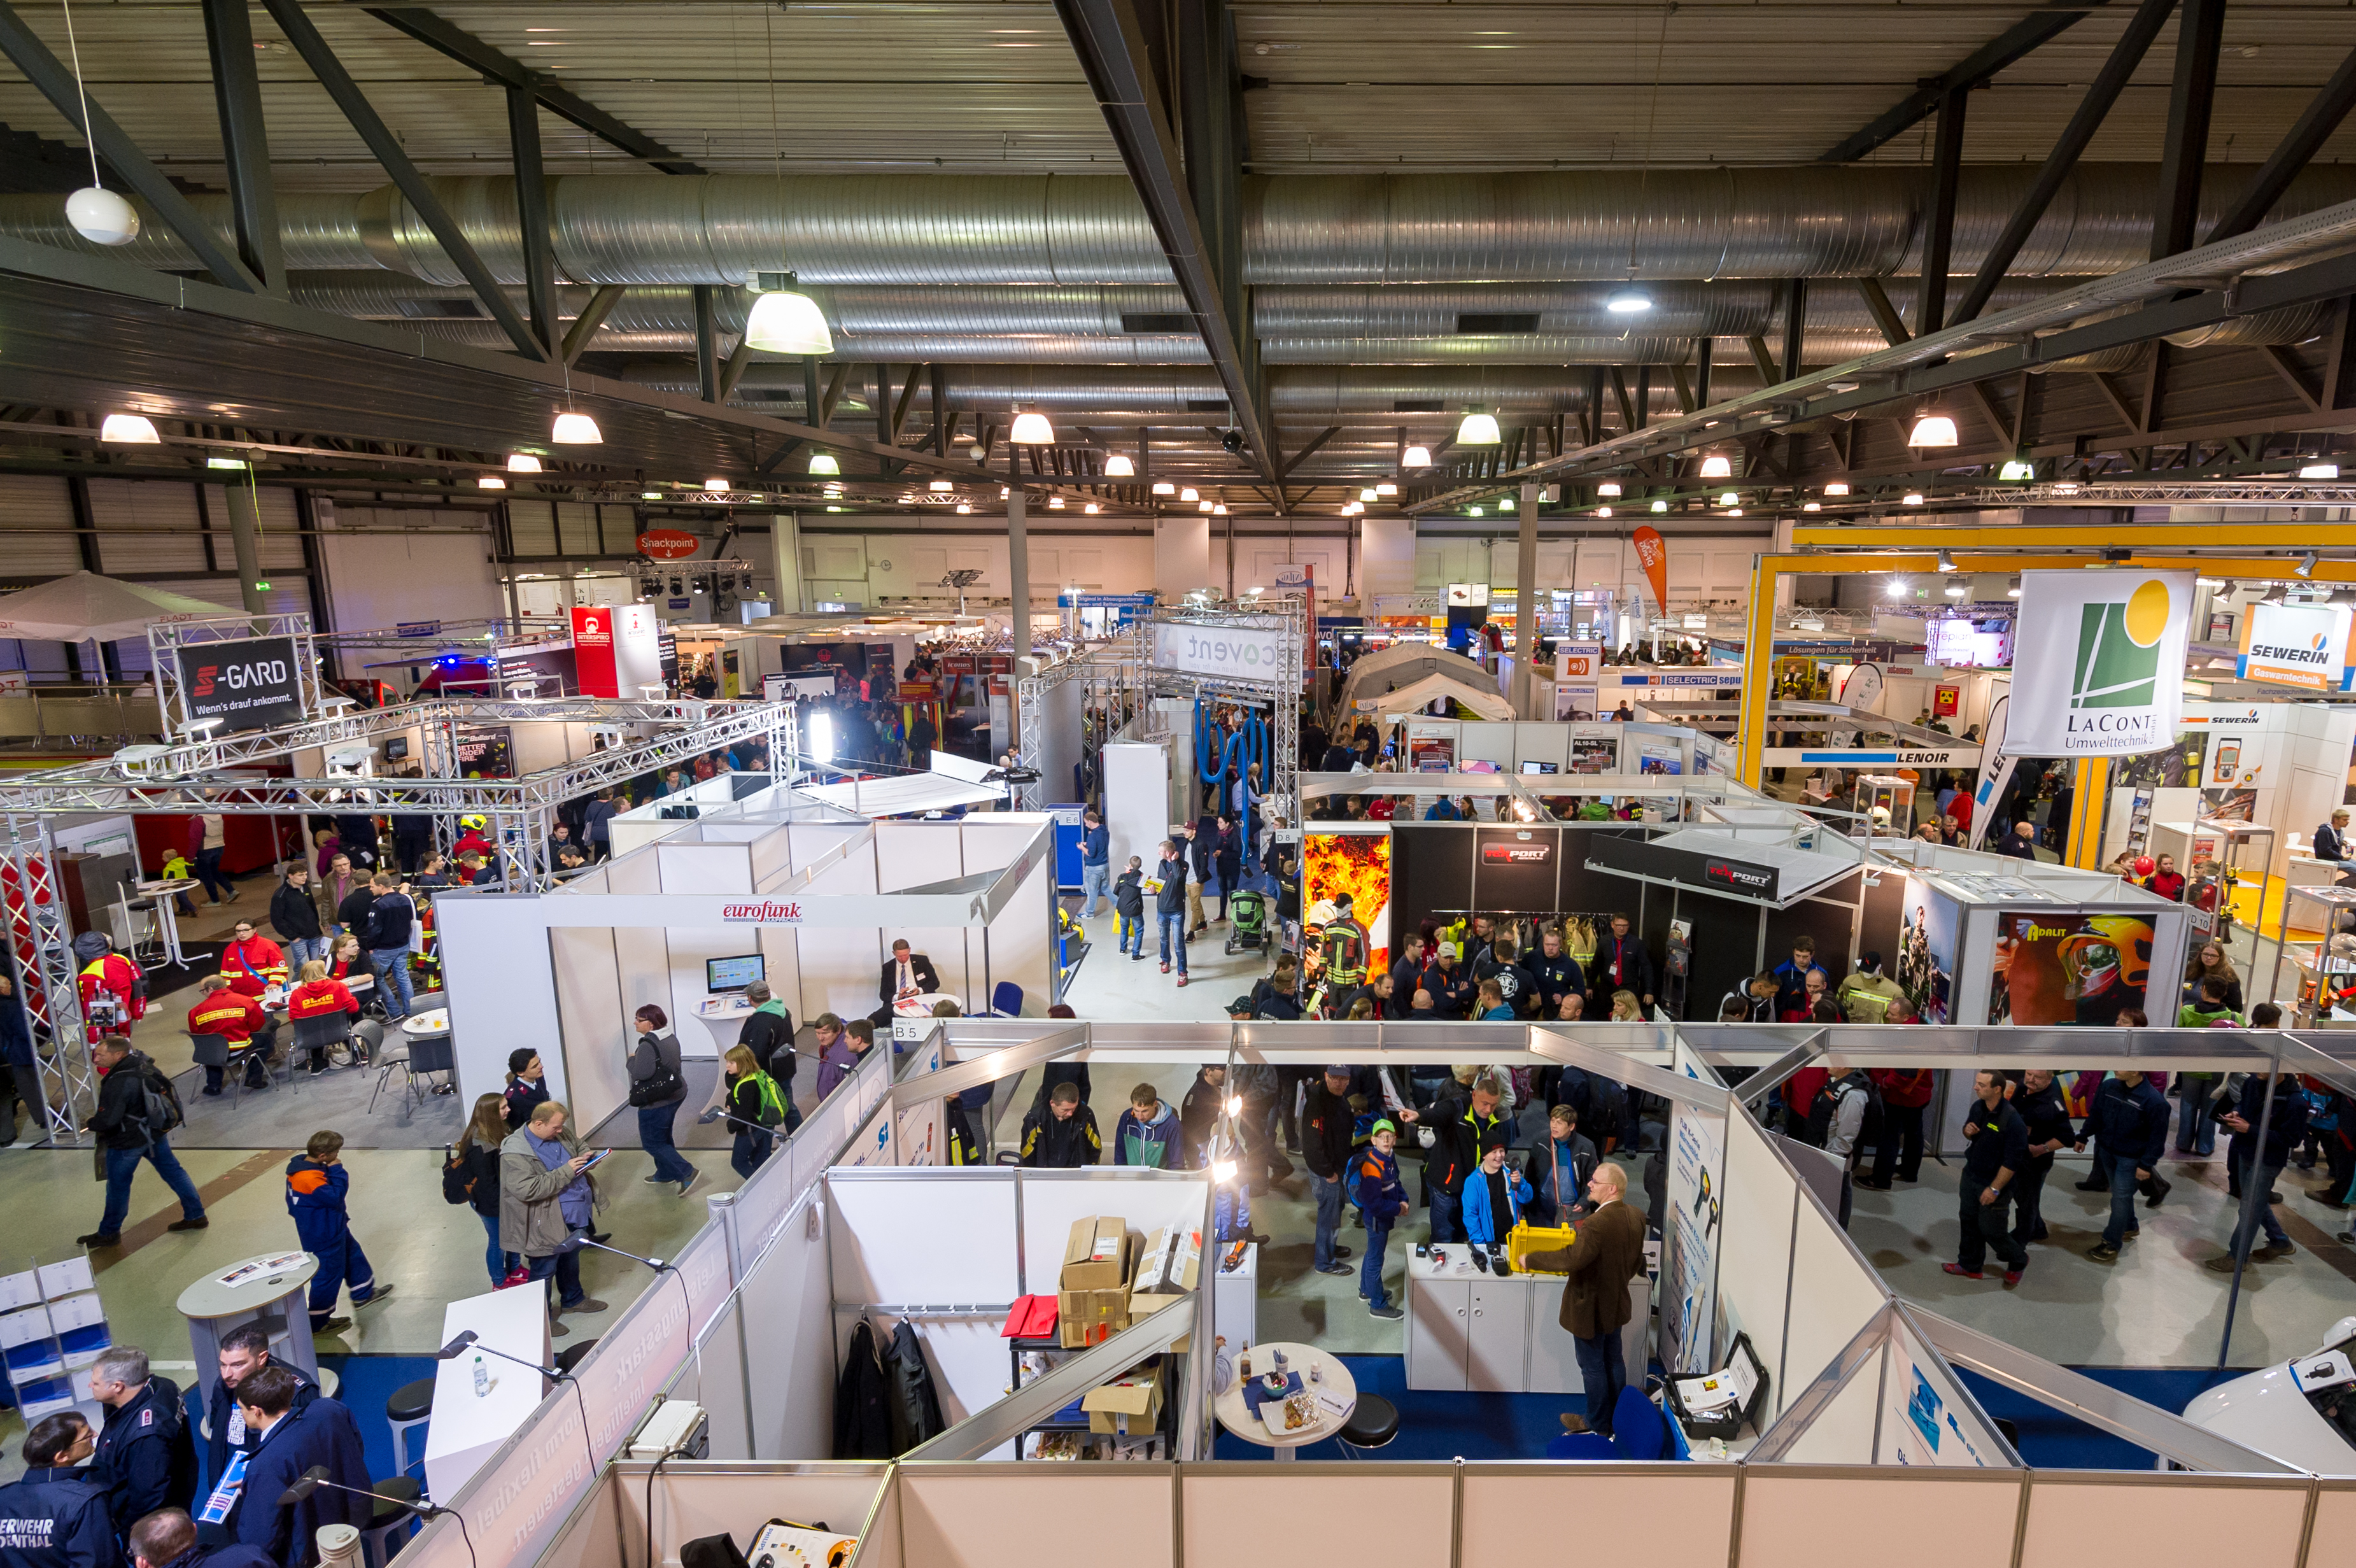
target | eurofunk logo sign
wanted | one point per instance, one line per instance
(2296, 645)
(762, 912)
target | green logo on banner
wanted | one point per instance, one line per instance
(2118, 651)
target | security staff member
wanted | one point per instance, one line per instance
(244, 1350)
(1550, 974)
(1998, 1151)
(145, 1451)
(167, 1539)
(2046, 1115)
(287, 1445)
(55, 1517)
(238, 1019)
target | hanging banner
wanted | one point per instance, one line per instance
(2100, 661)
(1652, 553)
(1696, 1179)
(253, 683)
(2296, 645)
(1861, 691)
(1996, 771)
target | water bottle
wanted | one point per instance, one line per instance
(482, 1379)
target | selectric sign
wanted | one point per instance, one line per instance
(248, 686)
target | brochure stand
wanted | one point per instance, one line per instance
(51, 1326)
(267, 1289)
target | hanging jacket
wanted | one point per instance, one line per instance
(915, 1409)
(863, 1424)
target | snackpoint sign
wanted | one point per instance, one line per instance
(2296, 645)
(2098, 662)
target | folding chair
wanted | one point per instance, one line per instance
(312, 1036)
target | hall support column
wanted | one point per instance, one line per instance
(245, 536)
(1525, 601)
(786, 561)
(1018, 568)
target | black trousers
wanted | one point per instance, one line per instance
(2028, 1191)
(1899, 1153)
(1985, 1229)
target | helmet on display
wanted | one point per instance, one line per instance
(1322, 912)
(2142, 866)
(470, 821)
(2104, 950)
(1879, 816)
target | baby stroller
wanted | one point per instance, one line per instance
(1246, 921)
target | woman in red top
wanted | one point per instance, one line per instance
(318, 996)
(345, 959)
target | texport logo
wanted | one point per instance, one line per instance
(1728, 874)
(1514, 854)
(763, 911)
(2117, 664)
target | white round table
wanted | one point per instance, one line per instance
(1332, 1378)
(426, 1025)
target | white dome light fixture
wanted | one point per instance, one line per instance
(1716, 467)
(1932, 428)
(715, 484)
(1031, 430)
(1118, 466)
(1603, 511)
(573, 429)
(1416, 457)
(1387, 488)
(1189, 494)
(1837, 488)
(102, 216)
(785, 320)
(522, 463)
(1164, 487)
(1609, 489)
(491, 482)
(1478, 429)
(942, 486)
(130, 429)
(1914, 497)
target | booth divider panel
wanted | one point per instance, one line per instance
(1834, 1294)
(1021, 939)
(592, 1076)
(717, 1377)
(693, 1500)
(945, 1236)
(1043, 1515)
(591, 1539)
(1051, 1200)
(1546, 742)
(704, 867)
(1725, 940)
(1612, 1516)
(840, 965)
(2335, 1521)
(1061, 740)
(882, 1546)
(1930, 1521)
(911, 855)
(515, 1504)
(702, 1265)
(1393, 1517)
(772, 858)
(643, 953)
(1842, 1432)
(1489, 741)
(633, 1362)
(2259, 1522)
(632, 874)
(1754, 1254)
(495, 972)
(791, 1363)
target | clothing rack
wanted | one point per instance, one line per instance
(905, 1309)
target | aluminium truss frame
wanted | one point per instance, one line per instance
(165, 639)
(1282, 691)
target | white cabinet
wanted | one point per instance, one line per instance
(1438, 1332)
(1498, 1352)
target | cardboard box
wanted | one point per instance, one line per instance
(1085, 1317)
(1168, 1267)
(1096, 1256)
(1130, 1407)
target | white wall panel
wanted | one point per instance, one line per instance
(1754, 1249)
(1955, 1520)
(591, 1076)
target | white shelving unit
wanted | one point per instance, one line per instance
(52, 1327)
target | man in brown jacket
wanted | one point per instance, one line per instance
(1606, 1253)
(545, 1195)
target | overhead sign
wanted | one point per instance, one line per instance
(2098, 662)
(1634, 856)
(1251, 653)
(1468, 595)
(1871, 757)
(667, 544)
(1653, 554)
(2296, 645)
(250, 684)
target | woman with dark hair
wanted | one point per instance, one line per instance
(527, 1086)
(656, 1088)
(474, 1169)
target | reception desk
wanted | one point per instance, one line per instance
(1470, 1331)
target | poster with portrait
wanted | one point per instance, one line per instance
(1930, 927)
(1359, 865)
(1658, 758)
(2052, 966)
(1594, 754)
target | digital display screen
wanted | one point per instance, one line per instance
(724, 975)
(1958, 642)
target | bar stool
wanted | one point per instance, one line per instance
(1372, 1425)
(377, 1538)
(412, 1405)
(571, 1355)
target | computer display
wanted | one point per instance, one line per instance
(726, 974)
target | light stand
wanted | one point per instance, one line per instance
(468, 1339)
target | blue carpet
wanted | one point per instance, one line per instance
(1436, 1425)
(367, 1382)
(2051, 1440)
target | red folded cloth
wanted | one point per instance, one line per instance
(1032, 1317)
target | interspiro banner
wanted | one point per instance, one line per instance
(2098, 662)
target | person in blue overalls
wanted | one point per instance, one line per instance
(55, 1516)
(317, 1186)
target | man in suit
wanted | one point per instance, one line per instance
(906, 972)
(292, 1442)
(1607, 1253)
(2333, 841)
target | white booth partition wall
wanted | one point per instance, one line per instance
(811, 907)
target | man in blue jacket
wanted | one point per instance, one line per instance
(167, 1539)
(1096, 862)
(244, 1350)
(290, 1443)
(146, 1453)
(55, 1516)
(2286, 1129)
(2128, 1127)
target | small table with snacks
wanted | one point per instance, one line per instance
(1323, 1398)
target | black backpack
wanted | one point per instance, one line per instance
(158, 1108)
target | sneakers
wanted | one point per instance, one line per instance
(690, 1184)
(1182, 979)
(2223, 1263)
(1165, 969)
(1337, 1270)
(333, 1326)
(2103, 1253)
(2156, 1193)
(516, 1276)
(2273, 1251)
(1388, 1314)
(2012, 1276)
(586, 1303)
(1962, 1273)
(99, 1239)
(658, 1180)
(378, 1294)
(198, 1223)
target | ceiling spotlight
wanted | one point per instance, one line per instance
(977, 452)
(492, 482)
(942, 486)
(1897, 587)
(1189, 494)
(1812, 506)
(1368, 494)
(1628, 300)
(1837, 488)
(1660, 506)
(1117, 467)
(2308, 564)
(1932, 429)
(1716, 467)
(715, 484)
(785, 320)
(964, 508)
(1603, 511)
(1031, 430)
(1387, 488)
(1474, 511)
(1416, 457)
(2017, 470)
(1055, 503)
(1609, 487)
(824, 463)
(133, 428)
(1004, 492)
(1219, 509)
(575, 430)
(1479, 430)
(102, 216)
(1947, 561)
(2012, 586)
(2319, 471)
(2274, 595)
(1091, 509)
(1164, 487)
(522, 463)
(1202, 505)
(1728, 498)
(1914, 497)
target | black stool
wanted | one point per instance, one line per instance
(571, 1355)
(1372, 1425)
(411, 1405)
(389, 1516)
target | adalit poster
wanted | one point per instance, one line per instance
(2053, 968)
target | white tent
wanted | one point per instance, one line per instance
(87, 607)
(1424, 693)
(1403, 666)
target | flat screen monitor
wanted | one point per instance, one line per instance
(1540, 768)
(397, 748)
(726, 974)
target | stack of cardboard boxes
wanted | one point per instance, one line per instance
(1092, 1291)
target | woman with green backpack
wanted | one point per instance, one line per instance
(753, 1104)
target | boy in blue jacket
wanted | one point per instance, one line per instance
(1493, 1196)
(1381, 1197)
(318, 1184)
(1147, 1132)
